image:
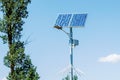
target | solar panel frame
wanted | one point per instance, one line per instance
(78, 20)
(63, 20)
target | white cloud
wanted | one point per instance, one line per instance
(112, 58)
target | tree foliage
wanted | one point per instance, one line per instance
(75, 77)
(14, 12)
(66, 78)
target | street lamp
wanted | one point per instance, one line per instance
(70, 21)
(58, 27)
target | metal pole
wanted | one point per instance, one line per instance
(71, 52)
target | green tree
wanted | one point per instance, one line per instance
(75, 77)
(21, 67)
(66, 78)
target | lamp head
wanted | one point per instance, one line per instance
(58, 27)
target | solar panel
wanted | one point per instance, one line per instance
(78, 20)
(63, 20)
(69, 20)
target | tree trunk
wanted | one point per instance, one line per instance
(11, 53)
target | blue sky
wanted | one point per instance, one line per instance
(98, 53)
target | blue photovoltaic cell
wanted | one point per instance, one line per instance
(78, 20)
(63, 20)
